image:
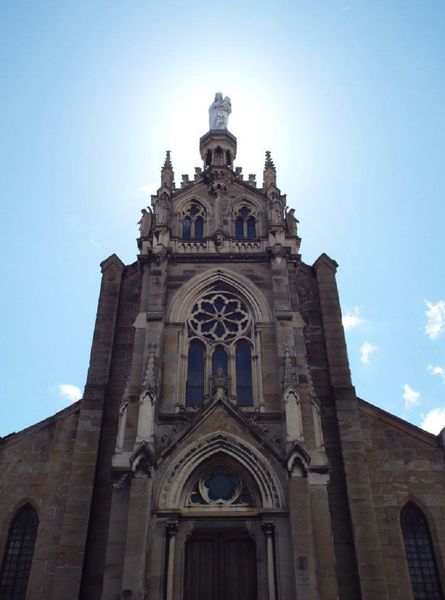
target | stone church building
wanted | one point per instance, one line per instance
(220, 451)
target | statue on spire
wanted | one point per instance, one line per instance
(219, 112)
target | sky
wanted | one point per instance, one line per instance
(349, 97)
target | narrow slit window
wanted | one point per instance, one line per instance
(420, 554)
(18, 554)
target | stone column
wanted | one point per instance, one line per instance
(302, 534)
(269, 529)
(171, 529)
(114, 558)
(322, 534)
(139, 512)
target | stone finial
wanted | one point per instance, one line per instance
(168, 161)
(150, 382)
(167, 175)
(269, 164)
(185, 180)
(269, 173)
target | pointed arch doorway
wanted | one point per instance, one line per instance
(220, 565)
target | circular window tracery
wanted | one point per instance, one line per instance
(220, 487)
(219, 317)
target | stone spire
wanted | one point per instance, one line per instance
(167, 174)
(269, 173)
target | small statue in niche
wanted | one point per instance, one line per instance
(163, 209)
(220, 385)
(219, 112)
(291, 222)
(276, 213)
(294, 422)
(145, 222)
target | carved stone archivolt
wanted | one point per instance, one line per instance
(228, 447)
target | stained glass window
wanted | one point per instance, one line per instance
(243, 360)
(18, 554)
(420, 554)
(186, 228)
(193, 222)
(245, 224)
(220, 486)
(195, 375)
(221, 366)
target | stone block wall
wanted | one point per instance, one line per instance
(405, 464)
(35, 466)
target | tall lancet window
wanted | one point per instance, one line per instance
(18, 554)
(220, 352)
(420, 554)
(195, 373)
(243, 361)
(193, 222)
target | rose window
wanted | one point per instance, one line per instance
(222, 487)
(219, 317)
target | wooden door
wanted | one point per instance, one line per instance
(220, 566)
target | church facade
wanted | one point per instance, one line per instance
(220, 450)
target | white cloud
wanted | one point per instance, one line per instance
(352, 318)
(94, 242)
(366, 351)
(434, 420)
(435, 314)
(410, 396)
(146, 189)
(437, 371)
(69, 393)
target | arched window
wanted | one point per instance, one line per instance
(18, 554)
(220, 352)
(193, 222)
(195, 374)
(243, 361)
(420, 554)
(245, 224)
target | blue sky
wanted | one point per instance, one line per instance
(348, 95)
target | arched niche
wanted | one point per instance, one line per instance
(225, 450)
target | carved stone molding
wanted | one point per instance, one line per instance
(249, 458)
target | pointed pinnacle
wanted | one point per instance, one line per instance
(167, 162)
(269, 162)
